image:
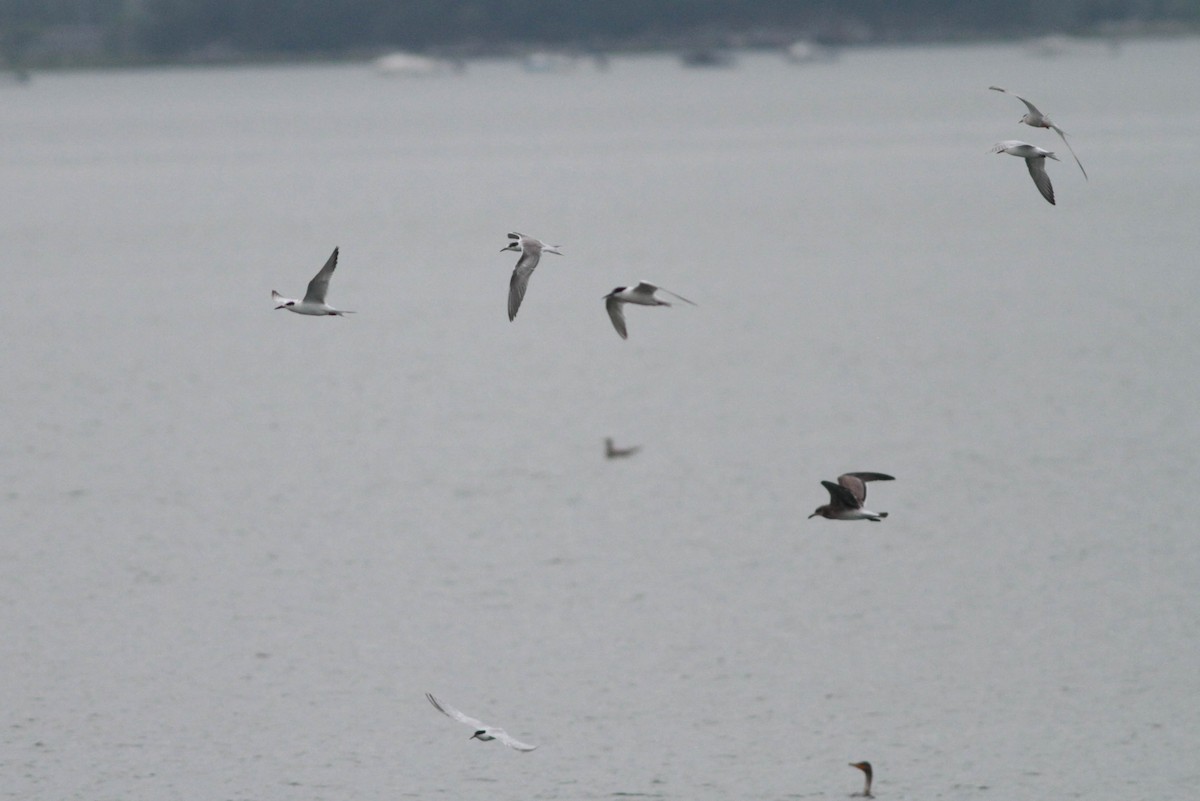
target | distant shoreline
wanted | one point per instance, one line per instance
(466, 54)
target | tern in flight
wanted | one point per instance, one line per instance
(1035, 160)
(482, 731)
(314, 298)
(1037, 119)
(642, 295)
(846, 497)
(531, 253)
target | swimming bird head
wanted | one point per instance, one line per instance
(865, 767)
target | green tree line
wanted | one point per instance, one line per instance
(172, 29)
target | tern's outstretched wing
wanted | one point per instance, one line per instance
(1063, 135)
(320, 283)
(1037, 171)
(1032, 108)
(672, 294)
(510, 741)
(616, 313)
(450, 711)
(520, 279)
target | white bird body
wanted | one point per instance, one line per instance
(531, 253)
(1037, 119)
(314, 298)
(640, 295)
(483, 732)
(1035, 159)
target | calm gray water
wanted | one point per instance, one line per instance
(238, 545)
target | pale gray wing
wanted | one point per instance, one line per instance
(616, 313)
(1063, 135)
(857, 483)
(1032, 108)
(672, 294)
(520, 279)
(841, 496)
(1037, 170)
(450, 711)
(510, 741)
(645, 288)
(320, 283)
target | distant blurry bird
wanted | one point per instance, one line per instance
(1037, 119)
(314, 298)
(846, 498)
(613, 452)
(641, 295)
(865, 767)
(1035, 160)
(482, 731)
(531, 253)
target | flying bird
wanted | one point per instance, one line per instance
(1035, 159)
(531, 253)
(1037, 119)
(865, 767)
(846, 498)
(613, 452)
(642, 295)
(314, 298)
(482, 731)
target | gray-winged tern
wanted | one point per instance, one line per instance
(314, 298)
(531, 252)
(1037, 119)
(642, 295)
(1035, 159)
(482, 731)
